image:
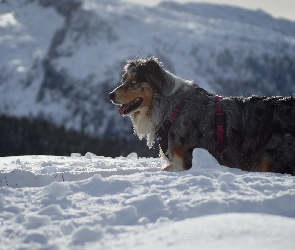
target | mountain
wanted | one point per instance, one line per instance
(60, 59)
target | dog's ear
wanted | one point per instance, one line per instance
(153, 72)
(154, 66)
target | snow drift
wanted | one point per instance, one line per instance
(94, 202)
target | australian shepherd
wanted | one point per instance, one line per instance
(252, 134)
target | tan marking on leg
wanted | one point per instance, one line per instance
(177, 160)
(265, 165)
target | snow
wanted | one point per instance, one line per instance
(95, 202)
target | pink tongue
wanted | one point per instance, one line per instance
(123, 108)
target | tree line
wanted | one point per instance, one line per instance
(31, 136)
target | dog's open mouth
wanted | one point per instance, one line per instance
(130, 106)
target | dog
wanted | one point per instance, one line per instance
(253, 134)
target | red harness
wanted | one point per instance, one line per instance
(220, 123)
(162, 134)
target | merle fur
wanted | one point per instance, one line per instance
(258, 129)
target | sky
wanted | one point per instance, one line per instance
(277, 8)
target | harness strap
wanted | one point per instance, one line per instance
(220, 123)
(175, 112)
(162, 133)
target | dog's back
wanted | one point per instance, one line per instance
(261, 133)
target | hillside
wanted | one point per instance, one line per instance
(60, 59)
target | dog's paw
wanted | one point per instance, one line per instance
(172, 168)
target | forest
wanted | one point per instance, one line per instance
(30, 136)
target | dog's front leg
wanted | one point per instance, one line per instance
(181, 160)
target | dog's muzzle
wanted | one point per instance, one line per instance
(112, 95)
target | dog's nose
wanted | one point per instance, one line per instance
(112, 95)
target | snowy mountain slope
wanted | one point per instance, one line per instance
(61, 64)
(24, 43)
(93, 202)
(257, 18)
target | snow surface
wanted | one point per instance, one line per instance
(94, 202)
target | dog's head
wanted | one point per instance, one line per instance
(140, 81)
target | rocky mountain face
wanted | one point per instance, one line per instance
(60, 59)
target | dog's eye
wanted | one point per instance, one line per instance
(133, 82)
